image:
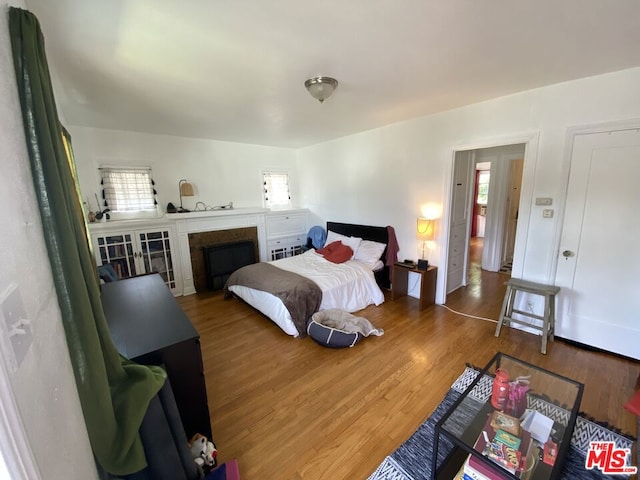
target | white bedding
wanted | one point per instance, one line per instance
(348, 286)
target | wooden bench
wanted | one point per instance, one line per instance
(548, 319)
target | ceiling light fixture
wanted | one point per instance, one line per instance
(321, 88)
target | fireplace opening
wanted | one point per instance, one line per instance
(223, 259)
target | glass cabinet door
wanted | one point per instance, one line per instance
(155, 252)
(118, 250)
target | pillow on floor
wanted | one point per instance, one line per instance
(336, 328)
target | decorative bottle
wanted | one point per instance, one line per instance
(500, 392)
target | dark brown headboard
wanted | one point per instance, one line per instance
(367, 232)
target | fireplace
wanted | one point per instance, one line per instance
(201, 229)
(220, 261)
(200, 241)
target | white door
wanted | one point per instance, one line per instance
(461, 191)
(512, 209)
(599, 257)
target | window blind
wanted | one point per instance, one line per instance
(128, 189)
(276, 189)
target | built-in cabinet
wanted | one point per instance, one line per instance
(457, 256)
(137, 251)
(286, 233)
(138, 247)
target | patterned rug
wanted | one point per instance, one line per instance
(412, 460)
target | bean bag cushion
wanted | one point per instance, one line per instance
(336, 328)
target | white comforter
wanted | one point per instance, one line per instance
(348, 286)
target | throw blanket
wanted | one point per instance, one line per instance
(301, 296)
(345, 322)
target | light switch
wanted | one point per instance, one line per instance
(544, 201)
(16, 326)
(547, 213)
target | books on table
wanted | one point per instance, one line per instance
(502, 421)
(511, 452)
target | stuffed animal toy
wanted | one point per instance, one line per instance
(203, 451)
(210, 455)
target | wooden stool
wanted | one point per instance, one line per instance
(548, 319)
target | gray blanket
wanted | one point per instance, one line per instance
(301, 296)
(345, 322)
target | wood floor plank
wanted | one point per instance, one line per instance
(290, 409)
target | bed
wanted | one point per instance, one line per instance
(290, 290)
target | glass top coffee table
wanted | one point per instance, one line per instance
(514, 421)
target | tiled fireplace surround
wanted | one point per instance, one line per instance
(198, 229)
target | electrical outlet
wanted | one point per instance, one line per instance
(16, 326)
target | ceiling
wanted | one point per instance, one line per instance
(234, 70)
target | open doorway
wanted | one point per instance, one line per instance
(485, 207)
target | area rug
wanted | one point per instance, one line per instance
(413, 459)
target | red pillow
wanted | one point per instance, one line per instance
(329, 248)
(337, 253)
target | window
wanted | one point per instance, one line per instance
(483, 187)
(128, 189)
(276, 189)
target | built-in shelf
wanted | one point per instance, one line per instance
(291, 226)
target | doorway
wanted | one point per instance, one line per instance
(485, 206)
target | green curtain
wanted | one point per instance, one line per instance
(114, 392)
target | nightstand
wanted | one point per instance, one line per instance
(427, 283)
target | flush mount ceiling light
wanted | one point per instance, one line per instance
(321, 88)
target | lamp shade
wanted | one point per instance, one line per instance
(425, 228)
(321, 88)
(186, 189)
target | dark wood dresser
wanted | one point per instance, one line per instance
(149, 327)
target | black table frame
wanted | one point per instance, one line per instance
(460, 450)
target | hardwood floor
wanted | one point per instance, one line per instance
(290, 409)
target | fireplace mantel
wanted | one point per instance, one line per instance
(276, 230)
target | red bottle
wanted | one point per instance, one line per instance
(500, 392)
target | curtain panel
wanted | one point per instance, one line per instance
(114, 392)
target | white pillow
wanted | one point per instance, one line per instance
(369, 252)
(351, 242)
(332, 237)
(379, 265)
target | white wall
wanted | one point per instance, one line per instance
(384, 176)
(221, 172)
(43, 386)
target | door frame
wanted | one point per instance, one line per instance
(530, 141)
(16, 455)
(572, 133)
